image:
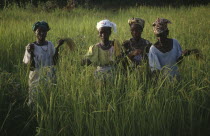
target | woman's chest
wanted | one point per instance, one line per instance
(137, 45)
(42, 52)
(168, 57)
(106, 55)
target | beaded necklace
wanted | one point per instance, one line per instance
(106, 47)
(40, 45)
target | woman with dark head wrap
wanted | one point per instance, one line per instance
(41, 55)
(44, 25)
(136, 48)
(166, 52)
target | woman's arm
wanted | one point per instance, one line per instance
(29, 56)
(56, 55)
(184, 54)
(91, 56)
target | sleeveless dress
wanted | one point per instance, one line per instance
(43, 70)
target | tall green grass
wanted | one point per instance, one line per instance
(79, 104)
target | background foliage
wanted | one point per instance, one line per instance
(79, 104)
(107, 3)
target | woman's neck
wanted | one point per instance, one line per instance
(137, 39)
(41, 42)
(105, 43)
(163, 42)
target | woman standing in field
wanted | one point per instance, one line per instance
(136, 48)
(41, 55)
(105, 53)
(166, 53)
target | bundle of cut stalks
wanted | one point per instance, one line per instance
(197, 53)
(70, 43)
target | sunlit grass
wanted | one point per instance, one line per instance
(129, 104)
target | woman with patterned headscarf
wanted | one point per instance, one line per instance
(41, 55)
(103, 54)
(166, 52)
(136, 48)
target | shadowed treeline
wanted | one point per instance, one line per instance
(130, 104)
(101, 3)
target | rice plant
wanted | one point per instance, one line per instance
(128, 104)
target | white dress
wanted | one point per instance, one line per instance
(43, 58)
(166, 62)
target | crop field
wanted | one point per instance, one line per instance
(130, 104)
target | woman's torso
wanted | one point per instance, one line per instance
(104, 57)
(142, 44)
(168, 60)
(43, 55)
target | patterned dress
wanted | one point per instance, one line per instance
(131, 45)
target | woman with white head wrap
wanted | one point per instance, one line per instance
(104, 53)
(106, 23)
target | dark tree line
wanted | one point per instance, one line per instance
(63, 3)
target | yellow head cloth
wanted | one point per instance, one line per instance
(138, 21)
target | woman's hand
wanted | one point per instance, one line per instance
(60, 42)
(136, 52)
(30, 48)
(186, 52)
(195, 52)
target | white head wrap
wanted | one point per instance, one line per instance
(106, 23)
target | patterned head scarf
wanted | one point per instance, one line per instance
(106, 23)
(160, 25)
(41, 24)
(138, 21)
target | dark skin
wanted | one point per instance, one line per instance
(136, 48)
(165, 44)
(104, 34)
(41, 34)
(136, 31)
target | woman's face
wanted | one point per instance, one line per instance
(104, 33)
(162, 36)
(136, 31)
(41, 34)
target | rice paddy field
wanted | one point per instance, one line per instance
(130, 104)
